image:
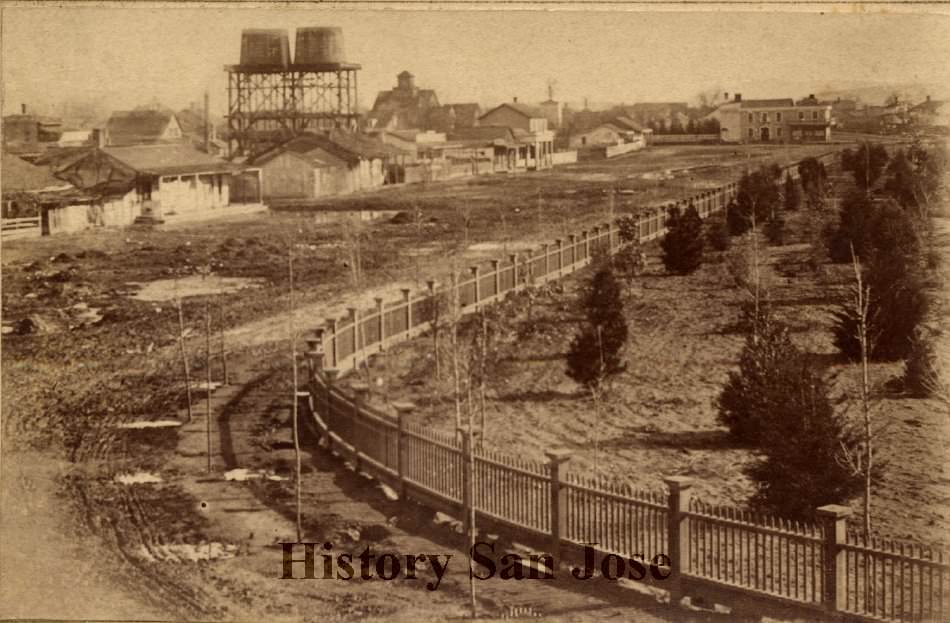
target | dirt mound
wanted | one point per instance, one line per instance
(34, 324)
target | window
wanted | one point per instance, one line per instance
(778, 132)
(801, 116)
(765, 117)
(751, 133)
(814, 115)
(778, 117)
(751, 118)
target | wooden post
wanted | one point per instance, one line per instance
(678, 531)
(360, 393)
(497, 274)
(406, 294)
(331, 375)
(402, 410)
(466, 479)
(573, 240)
(513, 258)
(355, 319)
(558, 502)
(586, 235)
(560, 256)
(315, 353)
(547, 266)
(477, 288)
(834, 523)
(331, 329)
(382, 325)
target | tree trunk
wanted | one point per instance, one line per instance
(294, 414)
(184, 355)
(208, 379)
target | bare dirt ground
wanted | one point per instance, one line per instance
(81, 356)
(660, 418)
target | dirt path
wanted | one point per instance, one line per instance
(249, 516)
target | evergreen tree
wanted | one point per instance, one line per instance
(683, 243)
(757, 191)
(596, 351)
(803, 447)
(717, 233)
(866, 163)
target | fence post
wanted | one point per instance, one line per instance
(586, 235)
(406, 294)
(513, 258)
(360, 393)
(558, 502)
(331, 329)
(402, 410)
(678, 531)
(331, 374)
(834, 524)
(547, 268)
(382, 324)
(494, 269)
(560, 255)
(573, 240)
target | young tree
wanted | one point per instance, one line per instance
(596, 351)
(683, 243)
(793, 195)
(866, 163)
(811, 172)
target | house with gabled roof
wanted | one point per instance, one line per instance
(616, 131)
(142, 127)
(313, 165)
(403, 107)
(535, 142)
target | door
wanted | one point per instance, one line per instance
(765, 134)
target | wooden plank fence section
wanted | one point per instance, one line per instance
(735, 555)
(24, 227)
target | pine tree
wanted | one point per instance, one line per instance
(866, 163)
(683, 243)
(803, 447)
(717, 233)
(595, 352)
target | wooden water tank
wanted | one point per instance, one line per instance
(260, 47)
(319, 45)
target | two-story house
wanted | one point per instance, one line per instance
(535, 142)
(772, 121)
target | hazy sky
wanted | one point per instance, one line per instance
(127, 56)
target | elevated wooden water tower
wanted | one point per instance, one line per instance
(271, 98)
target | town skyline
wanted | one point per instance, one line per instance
(674, 56)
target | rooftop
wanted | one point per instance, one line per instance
(137, 126)
(168, 159)
(21, 176)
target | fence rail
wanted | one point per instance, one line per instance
(20, 227)
(739, 557)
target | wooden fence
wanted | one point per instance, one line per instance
(25, 227)
(751, 562)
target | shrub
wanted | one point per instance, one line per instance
(775, 230)
(717, 233)
(595, 353)
(921, 376)
(882, 228)
(683, 243)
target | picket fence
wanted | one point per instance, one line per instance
(750, 562)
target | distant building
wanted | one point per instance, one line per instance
(29, 135)
(659, 115)
(142, 127)
(26, 186)
(315, 165)
(554, 112)
(77, 138)
(931, 113)
(450, 116)
(616, 131)
(404, 107)
(772, 121)
(530, 128)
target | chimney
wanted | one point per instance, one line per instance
(811, 96)
(738, 97)
(725, 96)
(928, 98)
(99, 138)
(516, 99)
(23, 109)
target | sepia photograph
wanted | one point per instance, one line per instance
(442, 311)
